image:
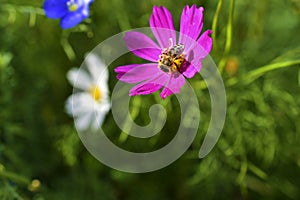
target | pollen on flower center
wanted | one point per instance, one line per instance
(72, 6)
(95, 92)
(171, 59)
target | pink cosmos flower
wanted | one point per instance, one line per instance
(170, 62)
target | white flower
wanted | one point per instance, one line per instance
(90, 104)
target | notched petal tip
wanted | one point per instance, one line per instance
(191, 24)
(209, 32)
(205, 42)
(165, 93)
(154, 8)
(157, 9)
(193, 7)
(162, 19)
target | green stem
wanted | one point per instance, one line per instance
(299, 78)
(215, 23)
(128, 122)
(228, 42)
(242, 175)
(122, 16)
(258, 172)
(14, 177)
(32, 19)
(123, 137)
(22, 9)
(254, 74)
(64, 41)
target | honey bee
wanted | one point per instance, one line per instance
(171, 59)
(176, 50)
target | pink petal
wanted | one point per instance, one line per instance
(135, 73)
(149, 86)
(191, 69)
(173, 86)
(161, 24)
(193, 62)
(142, 46)
(190, 24)
(144, 88)
(199, 51)
(205, 42)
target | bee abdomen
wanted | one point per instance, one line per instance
(164, 68)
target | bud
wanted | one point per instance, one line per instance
(232, 66)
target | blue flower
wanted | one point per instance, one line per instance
(71, 12)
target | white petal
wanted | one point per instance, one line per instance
(104, 95)
(105, 107)
(79, 104)
(98, 121)
(79, 79)
(87, 1)
(103, 85)
(97, 68)
(100, 114)
(69, 105)
(83, 122)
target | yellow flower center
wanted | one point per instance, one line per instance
(72, 6)
(95, 92)
(171, 59)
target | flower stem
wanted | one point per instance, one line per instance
(215, 23)
(22, 9)
(254, 74)
(257, 171)
(67, 46)
(13, 9)
(32, 19)
(299, 78)
(130, 118)
(14, 177)
(122, 16)
(123, 137)
(228, 42)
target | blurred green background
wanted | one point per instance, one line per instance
(257, 157)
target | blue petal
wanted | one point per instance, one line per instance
(56, 8)
(74, 18)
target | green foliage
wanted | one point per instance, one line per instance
(256, 46)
